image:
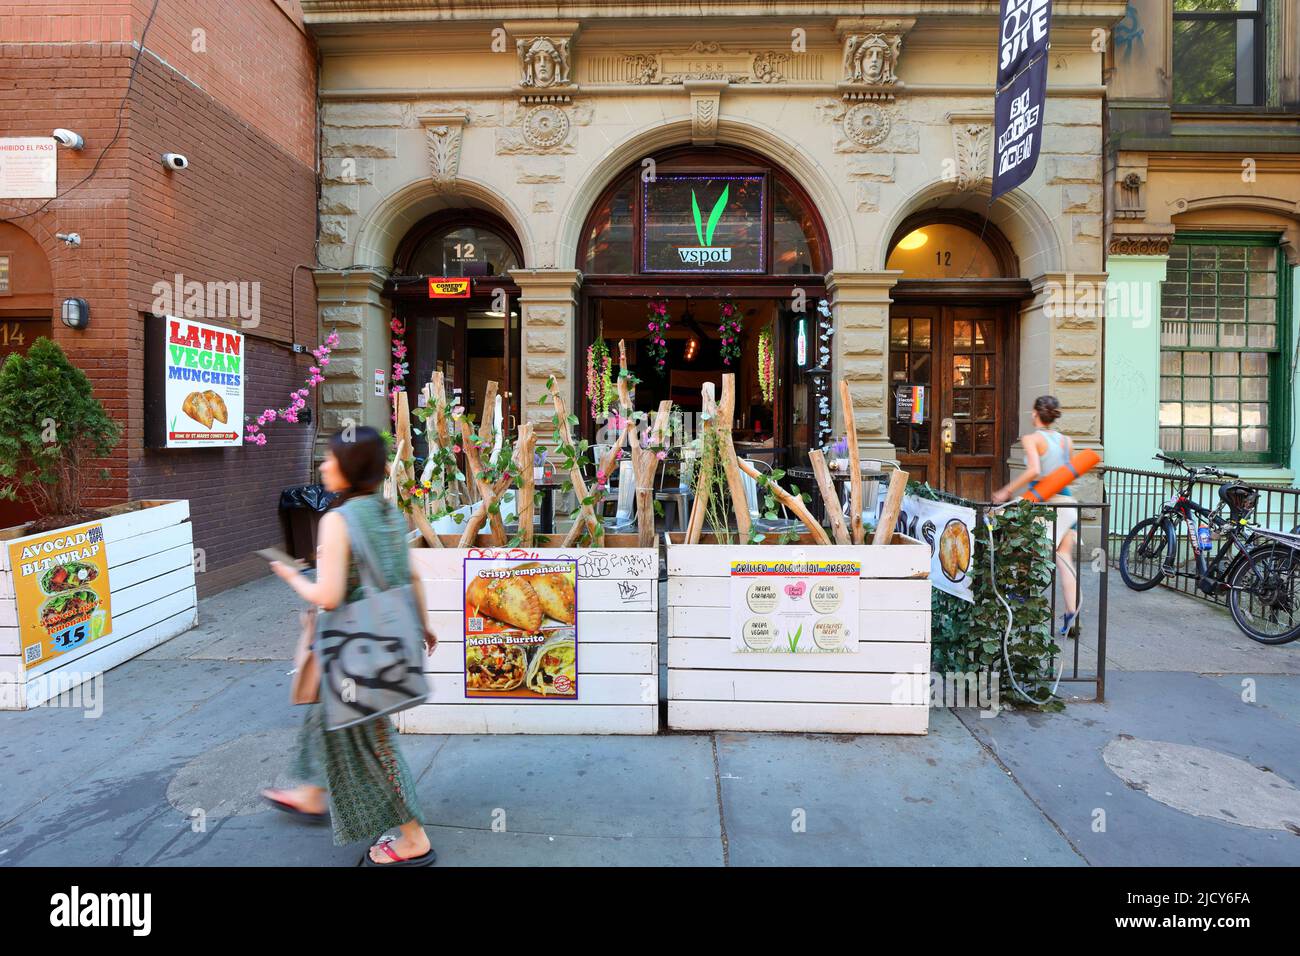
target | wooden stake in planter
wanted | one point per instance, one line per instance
(586, 514)
(703, 484)
(792, 502)
(855, 469)
(475, 468)
(524, 454)
(829, 497)
(722, 428)
(893, 504)
(645, 463)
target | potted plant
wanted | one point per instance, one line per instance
(63, 575)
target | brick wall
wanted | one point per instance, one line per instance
(242, 110)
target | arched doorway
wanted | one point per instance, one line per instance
(953, 350)
(694, 230)
(467, 328)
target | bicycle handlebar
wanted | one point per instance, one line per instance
(1203, 470)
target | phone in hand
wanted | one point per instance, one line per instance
(275, 554)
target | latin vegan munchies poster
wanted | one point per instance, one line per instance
(61, 590)
(521, 629)
(204, 369)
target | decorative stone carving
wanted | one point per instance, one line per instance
(872, 59)
(442, 133)
(546, 127)
(972, 145)
(1139, 245)
(706, 60)
(543, 62)
(866, 124)
(1129, 200)
(706, 105)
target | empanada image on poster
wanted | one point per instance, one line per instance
(216, 405)
(508, 600)
(556, 591)
(197, 407)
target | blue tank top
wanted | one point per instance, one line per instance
(1057, 455)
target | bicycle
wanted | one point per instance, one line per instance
(1258, 568)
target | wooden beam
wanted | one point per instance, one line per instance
(893, 504)
(834, 510)
(855, 469)
(793, 502)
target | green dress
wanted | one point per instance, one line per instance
(371, 788)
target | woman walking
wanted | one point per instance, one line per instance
(1045, 451)
(356, 775)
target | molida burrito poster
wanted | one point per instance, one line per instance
(521, 629)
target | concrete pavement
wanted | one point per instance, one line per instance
(168, 774)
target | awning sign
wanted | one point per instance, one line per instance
(448, 288)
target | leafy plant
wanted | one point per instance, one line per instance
(657, 325)
(705, 233)
(729, 333)
(968, 636)
(792, 640)
(51, 428)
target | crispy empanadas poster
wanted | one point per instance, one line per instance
(521, 636)
(204, 368)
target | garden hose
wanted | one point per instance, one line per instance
(1006, 635)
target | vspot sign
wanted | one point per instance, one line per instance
(703, 224)
(195, 392)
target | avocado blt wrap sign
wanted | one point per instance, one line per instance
(61, 590)
(204, 385)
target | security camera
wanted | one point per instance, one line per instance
(174, 161)
(68, 138)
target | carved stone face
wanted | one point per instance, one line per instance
(873, 61)
(543, 63)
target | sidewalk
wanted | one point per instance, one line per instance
(202, 722)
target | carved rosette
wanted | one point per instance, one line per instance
(866, 124)
(442, 133)
(546, 127)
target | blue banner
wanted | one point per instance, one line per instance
(1018, 127)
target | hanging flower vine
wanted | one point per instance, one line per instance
(600, 378)
(730, 330)
(253, 433)
(657, 325)
(766, 366)
(400, 366)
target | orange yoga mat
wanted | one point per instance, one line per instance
(1082, 462)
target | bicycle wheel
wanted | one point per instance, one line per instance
(1147, 550)
(1265, 595)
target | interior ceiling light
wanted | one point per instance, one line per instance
(913, 240)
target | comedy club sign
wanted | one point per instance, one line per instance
(1021, 91)
(203, 368)
(703, 224)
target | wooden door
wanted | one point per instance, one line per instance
(960, 354)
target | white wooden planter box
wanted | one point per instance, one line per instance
(150, 553)
(618, 648)
(883, 688)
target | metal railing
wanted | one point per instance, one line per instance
(1084, 654)
(1135, 495)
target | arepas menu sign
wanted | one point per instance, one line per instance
(702, 223)
(202, 369)
(794, 607)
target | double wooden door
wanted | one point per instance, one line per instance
(961, 356)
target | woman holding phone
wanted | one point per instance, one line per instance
(1045, 451)
(356, 776)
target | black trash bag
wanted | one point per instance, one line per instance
(311, 497)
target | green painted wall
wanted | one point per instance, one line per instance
(1131, 416)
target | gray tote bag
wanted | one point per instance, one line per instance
(372, 650)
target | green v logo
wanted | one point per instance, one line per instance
(704, 233)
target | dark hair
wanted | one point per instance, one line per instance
(363, 460)
(1048, 408)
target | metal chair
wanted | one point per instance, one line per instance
(756, 519)
(678, 496)
(625, 515)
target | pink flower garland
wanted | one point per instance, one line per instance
(657, 325)
(253, 433)
(730, 331)
(400, 366)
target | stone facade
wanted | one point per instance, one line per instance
(877, 118)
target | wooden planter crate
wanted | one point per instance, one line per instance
(883, 688)
(150, 552)
(618, 659)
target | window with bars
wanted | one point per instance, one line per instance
(1222, 336)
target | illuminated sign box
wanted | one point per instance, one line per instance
(703, 224)
(448, 288)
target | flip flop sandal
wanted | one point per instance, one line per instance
(315, 819)
(387, 847)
